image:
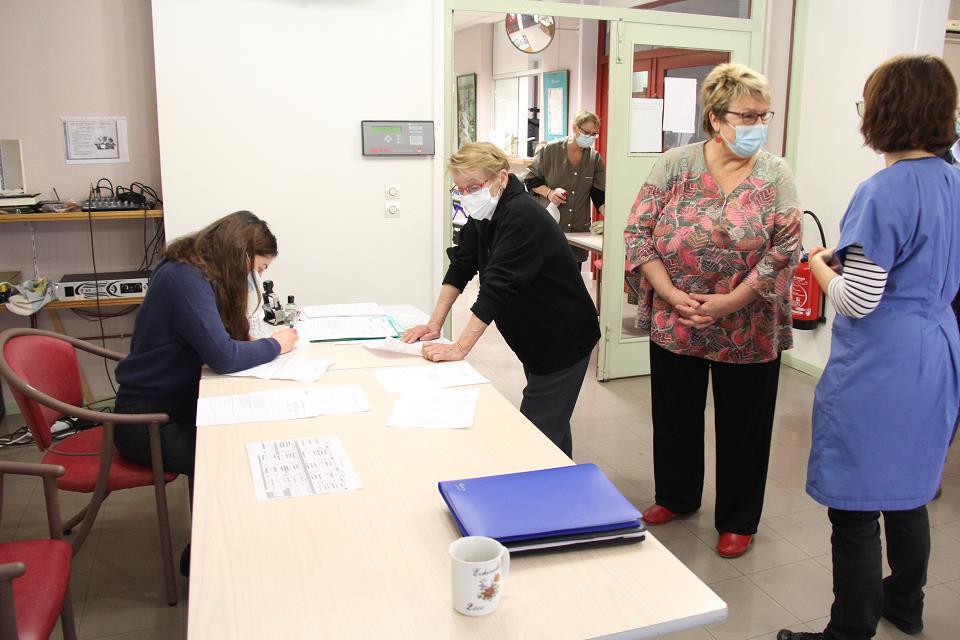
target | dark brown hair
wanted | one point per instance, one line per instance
(224, 252)
(910, 103)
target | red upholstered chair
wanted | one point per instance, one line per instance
(42, 371)
(35, 574)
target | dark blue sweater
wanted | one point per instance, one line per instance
(178, 330)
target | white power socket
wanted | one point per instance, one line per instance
(391, 209)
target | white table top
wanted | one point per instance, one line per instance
(585, 240)
(373, 563)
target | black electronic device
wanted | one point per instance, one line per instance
(117, 204)
(89, 286)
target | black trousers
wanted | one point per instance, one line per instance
(744, 399)
(549, 400)
(178, 438)
(861, 594)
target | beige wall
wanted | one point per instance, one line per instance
(473, 53)
(68, 58)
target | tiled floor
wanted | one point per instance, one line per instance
(783, 581)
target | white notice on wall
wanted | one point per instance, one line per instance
(301, 467)
(680, 105)
(646, 125)
(555, 108)
(95, 140)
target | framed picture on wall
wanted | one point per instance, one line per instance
(555, 104)
(466, 108)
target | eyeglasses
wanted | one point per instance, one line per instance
(469, 191)
(587, 133)
(859, 104)
(751, 117)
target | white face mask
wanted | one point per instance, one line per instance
(585, 141)
(254, 294)
(480, 205)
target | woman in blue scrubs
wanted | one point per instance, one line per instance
(886, 404)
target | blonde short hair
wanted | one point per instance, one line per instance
(485, 157)
(584, 117)
(726, 84)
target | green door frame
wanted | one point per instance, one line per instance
(753, 26)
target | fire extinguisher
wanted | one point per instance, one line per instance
(806, 299)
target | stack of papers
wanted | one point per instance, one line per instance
(425, 377)
(435, 409)
(288, 367)
(302, 467)
(284, 404)
(328, 329)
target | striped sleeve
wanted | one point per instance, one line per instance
(858, 291)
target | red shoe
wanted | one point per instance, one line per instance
(656, 514)
(733, 545)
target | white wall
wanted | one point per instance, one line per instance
(831, 159)
(67, 58)
(259, 107)
(473, 53)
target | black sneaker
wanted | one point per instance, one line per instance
(786, 634)
(185, 562)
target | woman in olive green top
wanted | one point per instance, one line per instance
(569, 173)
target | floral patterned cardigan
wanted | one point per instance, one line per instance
(710, 242)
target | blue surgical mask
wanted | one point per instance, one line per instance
(585, 141)
(956, 127)
(749, 140)
(480, 205)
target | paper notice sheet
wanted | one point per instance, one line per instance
(281, 404)
(395, 345)
(287, 367)
(423, 377)
(301, 467)
(435, 409)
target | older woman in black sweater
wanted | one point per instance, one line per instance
(529, 285)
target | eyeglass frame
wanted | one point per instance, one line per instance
(860, 107)
(592, 135)
(763, 118)
(455, 191)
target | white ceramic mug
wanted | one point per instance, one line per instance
(478, 567)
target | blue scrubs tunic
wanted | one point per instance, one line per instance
(886, 404)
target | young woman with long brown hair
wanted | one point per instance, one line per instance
(194, 314)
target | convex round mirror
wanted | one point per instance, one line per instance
(530, 33)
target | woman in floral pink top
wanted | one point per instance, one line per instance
(715, 233)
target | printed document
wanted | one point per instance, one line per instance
(346, 328)
(422, 377)
(407, 315)
(301, 467)
(341, 310)
(435, 409)
(280, 404)
(395, 345)
(287, 367)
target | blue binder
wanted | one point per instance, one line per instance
(564, 501)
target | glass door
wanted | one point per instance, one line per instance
(655, 73)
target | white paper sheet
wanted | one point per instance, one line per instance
(340, 310)
(435, 409)
(357, 327)
(395, 345)
(281, 404)
(288, 367)
(424, 377)
(680, 105)
(301, 467)
(646, 125)
(406, 315)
